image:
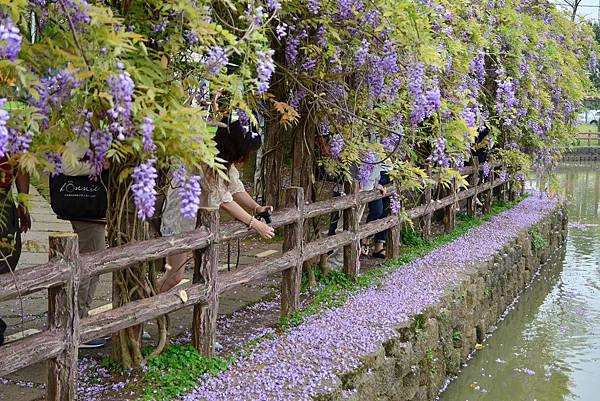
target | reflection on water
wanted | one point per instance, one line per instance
(548, 348)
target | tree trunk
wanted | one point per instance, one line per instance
(133, 283)
(272, 160)
(303, 175)
(271, 166)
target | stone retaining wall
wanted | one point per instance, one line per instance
(430, 347)
(582, 154)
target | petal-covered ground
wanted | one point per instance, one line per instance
(306, 360)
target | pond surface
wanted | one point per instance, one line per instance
(548, 348)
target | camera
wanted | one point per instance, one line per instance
(266, 216)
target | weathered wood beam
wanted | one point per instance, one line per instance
(63, 319)
(206, 262)
(293, 239)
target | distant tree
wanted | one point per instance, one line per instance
(573, 5)
(595, 76)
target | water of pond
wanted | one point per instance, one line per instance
(548, 348)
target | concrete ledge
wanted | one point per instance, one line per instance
(582, 154)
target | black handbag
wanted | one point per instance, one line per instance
(79, 197)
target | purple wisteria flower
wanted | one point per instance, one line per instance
(336, 146)
(78, 12)
(121, 88)
(395, 204)
(191, 37)
(314, 6)
(20, 143)
(360, 57)
(4, 133)
(256, 14)
(143, 189)
(469, 114)
(503, 175)
(146, 129)
(244, 120)
(281, 30)
(265, 69)
(54, 160)
(477, 67)
(83, 127)
(273, 5)
(216, 60)
(486, 169)
(291, 49)
(100, 141)
(189, 191)
(297, 98)
(506, 99)
(366, 168)
(439, 157)
(52, 92)
(10, 40)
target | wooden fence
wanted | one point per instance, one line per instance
(66, 268)
(588, 137)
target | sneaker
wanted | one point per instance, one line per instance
(2, 330)
(95, 343)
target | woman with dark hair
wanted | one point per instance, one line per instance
(235, 144)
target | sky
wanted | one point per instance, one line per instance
(587, 9)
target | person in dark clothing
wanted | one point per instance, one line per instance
(14, 220)
(481, 147)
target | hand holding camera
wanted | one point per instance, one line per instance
(263, 213)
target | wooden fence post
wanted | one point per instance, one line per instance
(293, 238)
(206, 261)
(450, 211)
(488, 193)
(427, 202)
(472, 201)
(393, 240)
(351, 223)
(63, 317)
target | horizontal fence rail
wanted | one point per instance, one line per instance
(588, 137)
(62, 274)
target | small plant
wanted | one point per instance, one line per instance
(411, 238)
(176, 371)
(488, 292)
(419, 323)
(537, 240)
(456, 338)
(111, 365)
(431, 359)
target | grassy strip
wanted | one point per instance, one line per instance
(177, 370)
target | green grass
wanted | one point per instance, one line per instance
(175, 372)
(587, 128)
(336, 287)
